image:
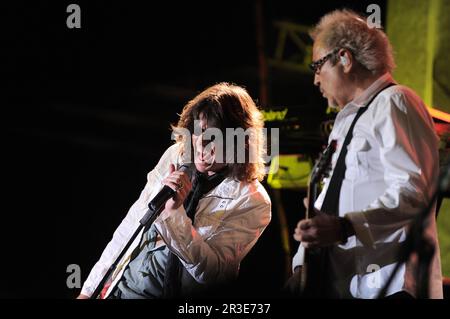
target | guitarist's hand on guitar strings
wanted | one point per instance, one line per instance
(320, 231)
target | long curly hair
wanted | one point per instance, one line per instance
(226, 105)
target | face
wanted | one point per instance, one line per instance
(205, 151)
(330, 79)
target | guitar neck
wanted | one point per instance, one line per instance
(312, 195)
(313, 269)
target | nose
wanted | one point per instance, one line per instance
(201, 145)
(316, 79)
(198, 143)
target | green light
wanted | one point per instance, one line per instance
(289, 171)
(271, 115)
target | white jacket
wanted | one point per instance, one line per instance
(228, 222)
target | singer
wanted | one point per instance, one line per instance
(218, 211)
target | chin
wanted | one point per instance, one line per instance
(202, 167)
(331, 102)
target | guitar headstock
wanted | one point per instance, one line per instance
(322, 167)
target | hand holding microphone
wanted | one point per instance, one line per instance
(180, 182)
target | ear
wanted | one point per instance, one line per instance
(346, 60)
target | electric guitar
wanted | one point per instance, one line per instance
(313, 272)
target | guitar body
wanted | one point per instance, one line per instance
(315, 274)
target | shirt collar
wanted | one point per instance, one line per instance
(229, 188)
(372, 90)
(366, 96)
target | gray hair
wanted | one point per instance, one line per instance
(345, 29)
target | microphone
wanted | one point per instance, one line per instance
(166, 192)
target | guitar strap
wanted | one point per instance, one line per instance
(331, 202)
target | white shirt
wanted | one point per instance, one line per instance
(228, 222)
(392, 171)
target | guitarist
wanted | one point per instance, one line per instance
(384, 171)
